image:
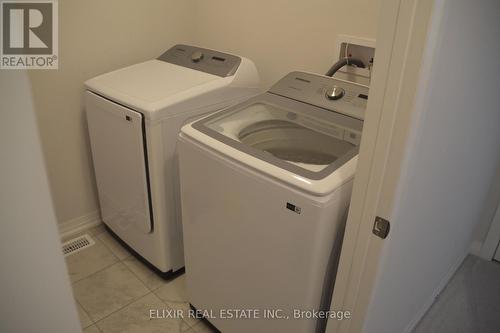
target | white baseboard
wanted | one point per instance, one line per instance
(79, 224)
(444, 281)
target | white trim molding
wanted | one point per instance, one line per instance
(492, 239)
(78, 224)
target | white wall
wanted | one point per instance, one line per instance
(95, 36)
(450, 163)
(282, 35)
(34, 286)
(98, 36)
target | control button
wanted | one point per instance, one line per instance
(196, 56)
(334, 93)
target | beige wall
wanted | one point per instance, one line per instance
(283, 35)
(95, 36)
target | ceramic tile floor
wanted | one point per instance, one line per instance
(469, 303)
(114, 292)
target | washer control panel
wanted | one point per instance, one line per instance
(204, 60)
(335, 93)
(326, 92)
(197, 56)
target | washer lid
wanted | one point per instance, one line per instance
(291, 138)
(147, 86)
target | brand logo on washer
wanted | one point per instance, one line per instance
(29, 34)
(293, 208)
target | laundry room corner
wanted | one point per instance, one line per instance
(114, 34)
(94, 37)
(235, 166)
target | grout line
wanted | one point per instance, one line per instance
(155, 289)
(97, 240)
(83, 309)
(131, 256)
(171, 308)
(121, 308)
(150, 290)
(98, 328)
(163, 282)
(130, 302)
(109, 248)
(98, 271)
(138, 278)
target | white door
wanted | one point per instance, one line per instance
(118, 150)
(419, 165)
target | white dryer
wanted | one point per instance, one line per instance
(265, 187)
(134, 117)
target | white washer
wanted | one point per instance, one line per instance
(134, 117)
(265, 187)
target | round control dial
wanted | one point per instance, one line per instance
(334, 93)
(196, 56)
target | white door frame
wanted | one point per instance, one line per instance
(401, 40)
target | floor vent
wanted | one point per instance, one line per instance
(77, 244)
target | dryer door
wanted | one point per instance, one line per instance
(120, 161)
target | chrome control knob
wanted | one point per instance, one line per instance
(196, 56)
(334, 93)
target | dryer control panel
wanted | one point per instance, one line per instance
(204, 60)
(326, 92)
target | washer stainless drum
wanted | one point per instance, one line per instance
(134, 116)
(265, 187)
